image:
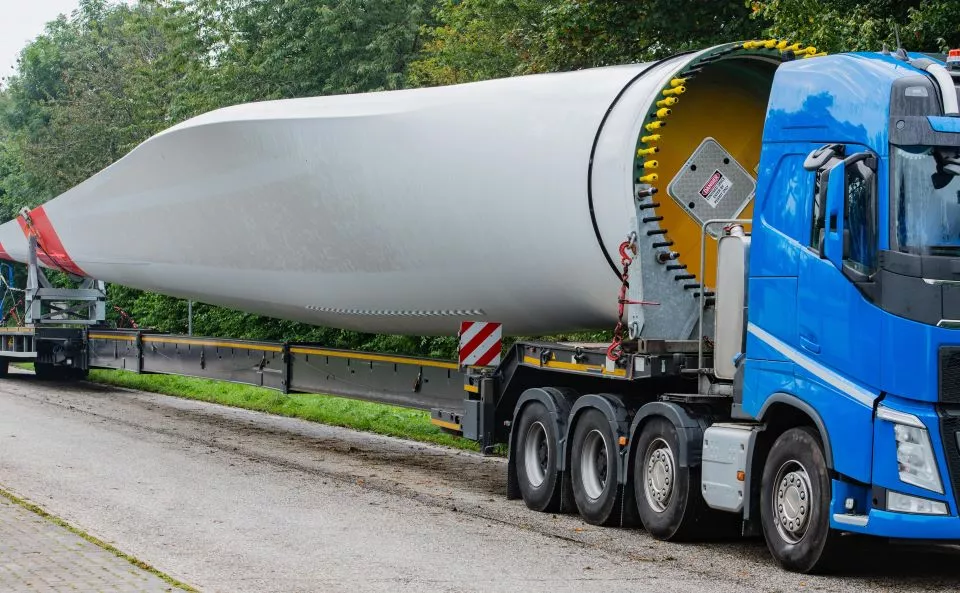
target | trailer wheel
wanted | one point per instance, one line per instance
(595, 469)
(795, 502)
(536, 458)
(76, 374)
(46, 371)
(667, 494)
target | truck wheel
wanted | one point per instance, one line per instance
(795, 501)
(4, 366)
(594, 469)
(668, 495)
(75, 374)
(536, 459)
(45, 371)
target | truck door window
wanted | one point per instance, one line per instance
(861, 218)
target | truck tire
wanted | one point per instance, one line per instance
(4, 367)
(75, 374)
(46, 371)
(795, 502)
(595, 469)
(667, 495)
(536, 459)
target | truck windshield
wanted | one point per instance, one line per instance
(926, 200)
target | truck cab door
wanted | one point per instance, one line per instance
(836, 325)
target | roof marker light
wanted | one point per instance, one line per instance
(953, 59)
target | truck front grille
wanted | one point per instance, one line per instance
(950, 374)
(950, 434)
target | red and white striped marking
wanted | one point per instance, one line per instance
(480, 343)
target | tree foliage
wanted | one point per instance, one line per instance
(478, 39)
(103, 79)
(847, 25)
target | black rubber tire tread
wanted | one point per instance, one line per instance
(687, 516)
(46, 371)
(607, 508)
(4, 367)
(546, 497)
(813, 552)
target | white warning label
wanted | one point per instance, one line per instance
(715, 188)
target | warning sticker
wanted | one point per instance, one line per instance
(715, 188)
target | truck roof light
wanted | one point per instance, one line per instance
(953, 59)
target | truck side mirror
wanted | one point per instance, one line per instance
(836, 241)
(819, 156)
(833, 233)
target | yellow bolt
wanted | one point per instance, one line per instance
(647, 151)
(667, 102)
(752, 44)
(677, 82)
(817, 55)
(770, 43)
(650, 139)
(650, 164)
(679, 90)
(782, 44)
(654, 125)
(810, 50)
(794, 48)
(663, 112)
(649, 178)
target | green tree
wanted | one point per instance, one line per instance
(480, 39)
(278, 49)
(854, 25)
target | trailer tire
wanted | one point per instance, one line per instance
(595, 469)
(798, 534)
(4, 367)
(667, 494)
(46, 371)
(536, 459)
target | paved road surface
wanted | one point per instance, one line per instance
(40, 556)
(230, 500)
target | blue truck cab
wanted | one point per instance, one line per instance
(854, 301)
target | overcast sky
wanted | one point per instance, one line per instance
(21, 21)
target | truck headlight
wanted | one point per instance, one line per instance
(903, 503)
(915, 460)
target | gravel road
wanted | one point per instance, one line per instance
(231, 500)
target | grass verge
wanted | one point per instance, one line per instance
(326, 409)
(95, 541)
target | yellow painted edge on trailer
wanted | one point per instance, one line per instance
(573, 366)
(445, 424)
(378, 358)
(471, 388)
(218, 344)
(111, 337)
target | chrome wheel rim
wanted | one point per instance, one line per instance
(792, 499)
(659, 474)
(593, 464)
(536, 454)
